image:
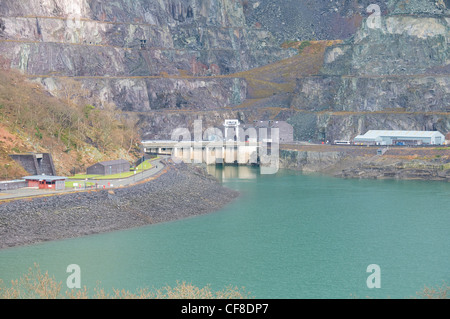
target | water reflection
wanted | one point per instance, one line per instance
(229, 172)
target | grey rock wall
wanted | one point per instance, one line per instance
(331, 126)
(390, 75)
(396, 45)
(418, 93)
(146, 94)
(97, 42)
(310, 161)
(148, 56)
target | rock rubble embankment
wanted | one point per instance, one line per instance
(183, 191)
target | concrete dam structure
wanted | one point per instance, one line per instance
(265, 155)
(206, 152)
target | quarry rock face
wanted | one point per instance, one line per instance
(123, 50)
(173, 61)
(395, 45)
(132, 38)
(392, 74)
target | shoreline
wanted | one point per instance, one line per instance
(179, 191)
(365, 163)
(182, 191)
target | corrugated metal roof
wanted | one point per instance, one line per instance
(45, 178)
(115, 162)
(386, 133)
(367, 138)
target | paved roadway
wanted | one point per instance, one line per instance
(158, 166)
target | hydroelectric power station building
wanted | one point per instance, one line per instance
(379, 137)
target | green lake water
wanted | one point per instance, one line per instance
(287, 236)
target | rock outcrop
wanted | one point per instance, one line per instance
(394, 73)
(160, 58)
(142, 55)
(367, 163)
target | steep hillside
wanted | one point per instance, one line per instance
(170, 62)
(269, 93)
(75, 133)
(307, 20)
(141, 55)
(281, 76)
(324, 19)
(393, 74)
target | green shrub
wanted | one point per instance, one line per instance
(303, 45)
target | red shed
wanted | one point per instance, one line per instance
(46, 182)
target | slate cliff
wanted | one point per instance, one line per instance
(172, 61)
(141, 55)
(394, 73)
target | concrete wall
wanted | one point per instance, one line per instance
(36, 164)
(4, 186)
(46, 165)
(28, 162)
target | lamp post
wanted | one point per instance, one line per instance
(143, 159)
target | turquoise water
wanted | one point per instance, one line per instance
(287, 236)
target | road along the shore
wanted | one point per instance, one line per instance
(158, 166)
(177, 191)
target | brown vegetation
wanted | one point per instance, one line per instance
(67, 126)
(38, 285)
(280, 77)
(439, 292)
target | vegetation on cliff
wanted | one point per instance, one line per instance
(74, 132)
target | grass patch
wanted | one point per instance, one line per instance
(70, 184)
(141, 167)
(116, 176)
(144, 166)
(302, 46)
(84, 176)
(281, 77)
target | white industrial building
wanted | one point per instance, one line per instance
(378, 137)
